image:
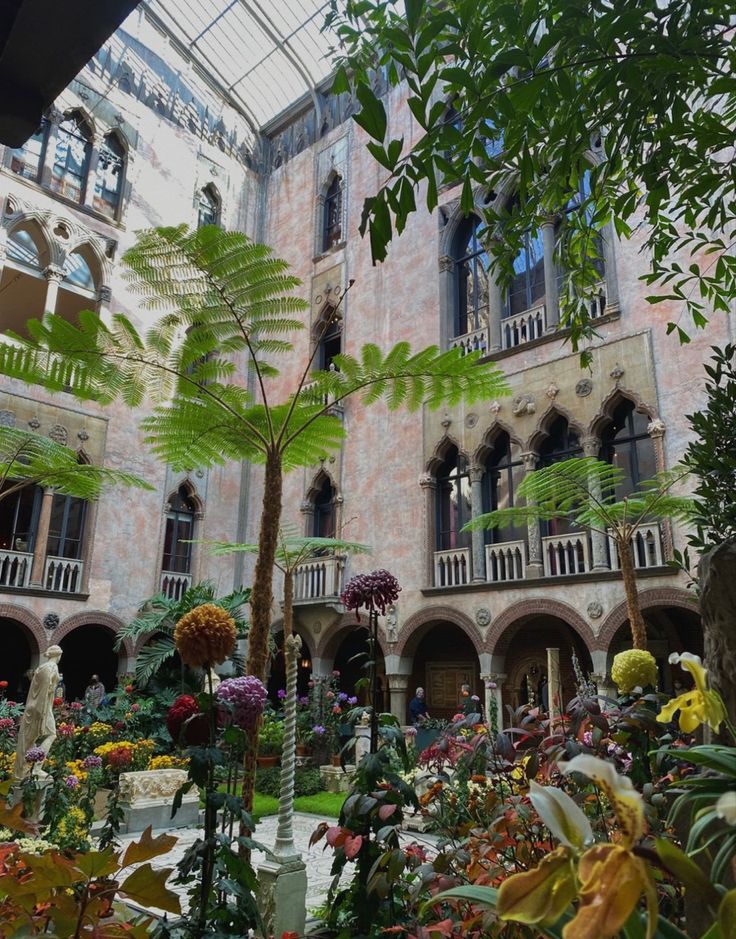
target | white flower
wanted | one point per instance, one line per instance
(564, 818)
(726, 807)
(626, 801)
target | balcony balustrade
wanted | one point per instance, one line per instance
(63, 575)
(15, 568)
(523, 327)
(647, 545)
(452, 568)
(505, 561)
(174, 585)
(472, 342)
(566, 554)
(319, 579)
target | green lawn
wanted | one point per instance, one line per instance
(323, 803)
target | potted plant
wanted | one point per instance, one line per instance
(270, 740)
(428, 731)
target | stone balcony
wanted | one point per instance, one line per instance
(319, 580)
(59, 575)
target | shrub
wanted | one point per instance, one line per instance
(307, 782)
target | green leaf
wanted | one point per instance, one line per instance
(372, 116)
(727, 914)
(98, 863)
(687, 871)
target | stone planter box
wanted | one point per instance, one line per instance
(334, 779)
(147, 798)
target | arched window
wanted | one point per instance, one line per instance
(109, 177)
(470, 271)
(27, 160)
(77, 272)
(23, 248)
(19, 520)
(23, 288)
(626, 443)
(208, 208)
(503, 476)
(561, 443)
(328, 333)
(332, 218)
(453, 502)
(71, 159)
(177, 556)
(324, 517)
(526, 289)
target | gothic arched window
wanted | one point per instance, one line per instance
(453, 501)
(561, 443)
(504, 472)
(471, 272)
(526, 289)
(626, 443)
(208, 207)
(110, 173)
(332, 218)
(324, 517)
(27, 160)
(177, 556)
(71, 158)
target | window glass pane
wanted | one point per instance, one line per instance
(22, 248)
(19, 518)
(453, 508)
(208, 210)
(333, 215)
(527, 286)
(109, 177)
(71, 159)
(77, 272)
(26, 160)
(472, 265)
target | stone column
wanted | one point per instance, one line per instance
(398, 686)
(552, 299)
(495, 312)
(195, 563)
(534, 567)
(478, 549)
(554, 687)
(598, 539)
(307, 510)
(55, 118)
(91, 181)
(42, 536)
(428, 485)
(54, 276)
(613, 302)
(104, 296)
(656, 430)
(321, 668)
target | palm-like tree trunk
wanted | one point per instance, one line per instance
(636, 620)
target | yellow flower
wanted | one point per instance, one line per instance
(700, 705)
(167, 762)
(205, 636)
(634, 668)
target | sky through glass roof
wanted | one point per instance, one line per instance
(265, 54)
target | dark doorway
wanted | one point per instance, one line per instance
(277, 677)
(16, 658)
(351, 661)
(88, 650)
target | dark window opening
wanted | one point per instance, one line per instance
(27, 161)
(179, 532)
(562, 443)
(109, 182)
(453, 502)
(330, 345)
(332, 229)
(526, 289)
(626, 443)
(208, 208)
(66, 528)
(71, 159)
(503, 476)
(19, 519)
(323, 520)
(471, 276)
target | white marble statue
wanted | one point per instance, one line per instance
(37, 725)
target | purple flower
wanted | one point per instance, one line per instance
(410, 732)
(92, 762)
(35, 755)
(319, 730)
(304, 700)
(341, 696)
(353, 700)
(71, 782)
(374, 591)
(247, 697)
(281, 694)
(588, 738)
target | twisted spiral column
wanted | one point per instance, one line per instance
(284, 846)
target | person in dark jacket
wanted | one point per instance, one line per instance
(418, 708)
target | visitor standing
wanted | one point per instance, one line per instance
(418, 708)
(94, 694)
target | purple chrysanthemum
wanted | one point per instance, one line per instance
(342, 697)
(374, 591)
(71, 782)
(92, 762)
(281, 694)
(352, 701)
(247, 697)
(319, 730)
(304, 700)
(35, 755)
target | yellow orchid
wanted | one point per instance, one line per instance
(699, 705)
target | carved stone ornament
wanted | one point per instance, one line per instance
(34, 423)
(7, 418)
(59, 434)
(595, 610)
(392, 623)
(584, 387)
(51, 621)
(656, 428)
(471, 420)
(552, 391)
(483, 616)
(150, 784)
(317, 627)
(494, 407)
(426, 479)
(446, 421)
(617, 372)
(83, 435)
(523, 404)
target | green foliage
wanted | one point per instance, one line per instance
(583, 490)
(270, 736)
(321, 803)
(535, 86)
(307, 782)
(159, 615)
(28, 459)
(710, 456)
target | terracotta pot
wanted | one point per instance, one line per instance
(267, 761)
(302, 749)
(336, 760)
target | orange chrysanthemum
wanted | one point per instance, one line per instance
(205, 636)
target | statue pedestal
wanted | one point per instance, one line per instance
(282, 895)
(147, 797)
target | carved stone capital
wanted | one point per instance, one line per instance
(591, 445)
(53, 273)
(306, 507)
(656, 428)
(398, 682)
(445, 263)
(427, 481)
(475, 473)
(104, 294)
(529, 458)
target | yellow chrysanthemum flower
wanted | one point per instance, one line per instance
(634, 668)
(700, 705)
(205, 636)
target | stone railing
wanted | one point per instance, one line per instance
(524, 327)
(472, 342)
(647, 545)
(15, 568)
(597, 302)
(319, 578)
(174, 585)
(566, 554)
(505, 561)
(63, 575)
(452, 568)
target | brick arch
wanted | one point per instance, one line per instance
(434, 614)
(96, 618)
(327, 645)
(658, 596)
(30, 622)
(538, 606)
